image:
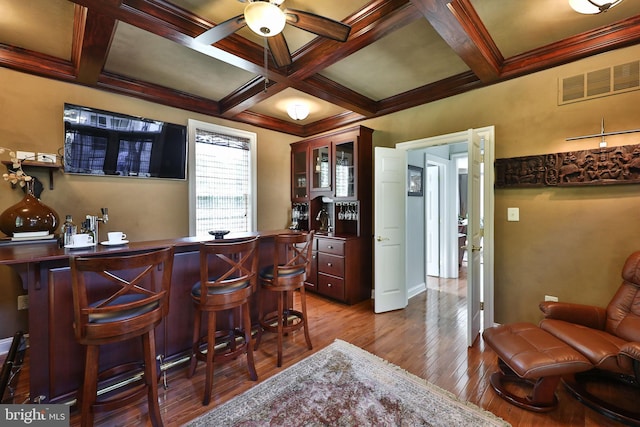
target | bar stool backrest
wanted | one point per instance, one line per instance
(227, 267)
(119, 297)
(292, 257)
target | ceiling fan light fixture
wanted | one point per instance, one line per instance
(298, 111)
(264, 18)
(593, 7)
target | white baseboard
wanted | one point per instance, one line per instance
(416, 290)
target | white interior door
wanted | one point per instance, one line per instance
(474, 238)
(390, 191)
(432, 210)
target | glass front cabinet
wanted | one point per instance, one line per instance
(334, 180)
(321, 168)
(344, 161)
(299, 187)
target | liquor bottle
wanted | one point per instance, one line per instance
(68, 230)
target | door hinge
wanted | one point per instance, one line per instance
(481, 305)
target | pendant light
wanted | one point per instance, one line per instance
(298, 111)
(264, 18)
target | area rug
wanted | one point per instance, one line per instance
(343, 385)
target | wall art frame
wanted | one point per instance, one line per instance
(599, 166)
(415, 180)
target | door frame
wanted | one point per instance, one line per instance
(435, 187)
(488, 136)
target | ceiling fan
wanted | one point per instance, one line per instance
(266, 18)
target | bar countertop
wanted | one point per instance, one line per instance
(23, 252)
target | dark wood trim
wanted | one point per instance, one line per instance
(456, 21)
(96, 41)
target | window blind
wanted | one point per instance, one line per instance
(223, 200)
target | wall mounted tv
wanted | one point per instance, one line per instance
(98, 142)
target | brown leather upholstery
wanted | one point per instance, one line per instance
(533, 353)
(609, 338)
(529, 355)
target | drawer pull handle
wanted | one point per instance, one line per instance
(329, 264)
(329, 247)
(329, 285)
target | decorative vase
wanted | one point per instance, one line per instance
(28, 215)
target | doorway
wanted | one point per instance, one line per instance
(479, 229)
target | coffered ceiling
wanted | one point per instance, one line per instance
(399, 54)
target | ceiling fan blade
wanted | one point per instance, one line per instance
(280, 50)
(222, 30)
(317, 24)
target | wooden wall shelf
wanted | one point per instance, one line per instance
(33, 164)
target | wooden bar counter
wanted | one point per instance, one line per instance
(56, 360)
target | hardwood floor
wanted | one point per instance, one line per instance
(428, 339)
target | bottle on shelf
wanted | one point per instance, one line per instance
(68, 230)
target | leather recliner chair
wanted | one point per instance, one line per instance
(609, 338)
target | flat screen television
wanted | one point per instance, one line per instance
(98, 142)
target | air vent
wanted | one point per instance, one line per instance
(598, 83)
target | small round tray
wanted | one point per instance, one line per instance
(219, 234)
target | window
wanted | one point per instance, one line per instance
(222, 179)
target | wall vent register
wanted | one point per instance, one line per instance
(598, 83)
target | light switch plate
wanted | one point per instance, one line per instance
(513, 214)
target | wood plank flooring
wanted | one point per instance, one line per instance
(428, 339)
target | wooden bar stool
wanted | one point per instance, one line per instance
(228, 278)
(284, 278)
(117, 298)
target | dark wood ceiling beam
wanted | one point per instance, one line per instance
(621, 34)
(79, 22)
(271, 123)
(31, 62)
(158, 94)
(461, 28)
(189, 23)
(97, 34)
(432, 92)
(330, 91)
(248, 95)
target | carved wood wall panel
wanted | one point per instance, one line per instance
(600, 166)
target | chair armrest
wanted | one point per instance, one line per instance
(629, 358)
(631, 349)
(586, 315)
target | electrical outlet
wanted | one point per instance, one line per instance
(47, 157)
(550, 298)
(23, 302)
(28, 155)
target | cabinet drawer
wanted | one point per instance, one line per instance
(331, 286)
(331, 264)
(331, 246)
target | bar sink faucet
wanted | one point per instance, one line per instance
(92, 223)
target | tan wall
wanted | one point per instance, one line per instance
(145, 209)
(570, 242)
